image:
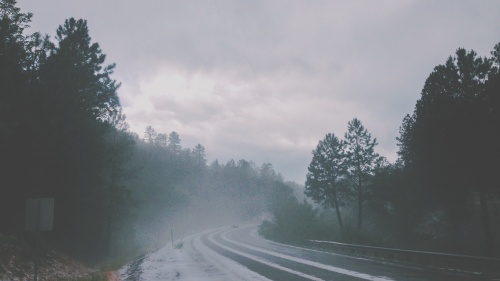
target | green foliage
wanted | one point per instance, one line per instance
(56, 118)
(88, 87)
(177, 189)
(454, 114)
(449, 145)
(325, 181)
(360, 151)
(361, 160)
(174, 142)
(293, 222)
(326, 172)
(448, 152)
(63, 135)
(80, 99)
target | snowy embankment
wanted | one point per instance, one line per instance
(192, 261)
(17, 261)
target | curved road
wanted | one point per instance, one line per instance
(240, 254)
(282, 262)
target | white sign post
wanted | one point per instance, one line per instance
(39, 217)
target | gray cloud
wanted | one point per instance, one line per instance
(266, 80)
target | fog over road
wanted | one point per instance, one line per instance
(240, 254)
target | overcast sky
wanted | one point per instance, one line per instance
(266, 80)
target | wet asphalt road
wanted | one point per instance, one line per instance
(282, 262)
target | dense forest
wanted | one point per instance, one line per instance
(443, 192)
(63, 135)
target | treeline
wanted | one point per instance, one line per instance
(63, 136)
(178, 190)
(58, 103)
(442, 194)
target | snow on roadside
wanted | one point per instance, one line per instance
(165, 264)
(193, 261)
(17, 263)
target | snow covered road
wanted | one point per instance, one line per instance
(193, 261)
(240, 254)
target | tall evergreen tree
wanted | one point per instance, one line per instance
(174, 143)
(150, 135)
(80, 99)
(21, 116)
(325, 179)
(199, 156)
(13, 119)
(450, 142)
(361, 160)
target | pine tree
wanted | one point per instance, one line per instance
(325, 179)
(450, 142)
(361, 160)
(80, 98)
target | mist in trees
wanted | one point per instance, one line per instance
(341, 172)
(63, 135)
(57, 100)
(292, 221)
(437, 196)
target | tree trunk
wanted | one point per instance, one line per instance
(110, 214)
(360, 197)
(360, 206)
(339, 218)
(485, 217)
(337, 210)
(111, 202)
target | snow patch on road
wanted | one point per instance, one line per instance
(311, 263)
(167, 263)
(193, 261)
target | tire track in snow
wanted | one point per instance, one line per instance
(315, 265)
(193, 261)
(226, 266)
(264, 267)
